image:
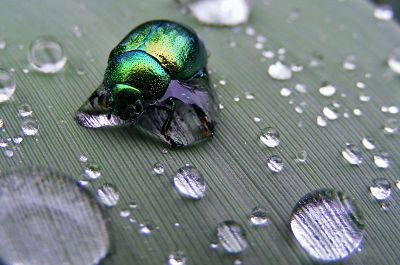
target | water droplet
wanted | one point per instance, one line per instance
(221, 106)
(236, 99)
(301, 88)
(91, 171)
(256, 119)
(268, 54)
(107, 195)
(250, 31)
(328, 225)
(280, 71)
(83, 159)
(259, 217)
(29, 126)
(391, 126)
(285, 92)
(275, 163)
(46, 55)
(3, 43)
(383, 12)
(321, 121)
(382, 160)
(298, 109)
(189, 183)
(364, 97)
(7, 85)
(158, 169)
(394, 60)
(25, 70)
(124, 213)
(270, 137)
(17, 139)
(349, 63)
(8, 153)
(24, 110)
(145, 229)
(331, 112)
(357, 112)
(49, 220)
(213, 245)
(327, 90)
(1, 124)
(259, 46)
(237, 261)
(384, 109)
(360, 85)
(222, 82)
(380, 189)
(352, 153)
(368, 142)
(220, 12)
(177, 257)
(301, 156)
(76, 31)
(231, 237)
(296, 68)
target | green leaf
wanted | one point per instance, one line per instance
(233, 163)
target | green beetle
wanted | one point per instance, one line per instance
(141, 67)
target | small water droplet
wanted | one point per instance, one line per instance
(214, 246)
(296, 68)
(331, 112)
(256, 119)
(189, 183)
(357, 112)
(259, 217)
(221, 106)
(3, 142)
(316, 60)
(285, 92)
(383, 12)
(107, 195)
(270, 137)
(280, 71)
(328, 225)
(8, 153)
(158, 169)
(301, 88)
(249, 96)
(275, 163)
(298, 109)
(321, 121)
(133, 205)
(46, 55)
(7, 85)
(177, 257)
(124, 213)
(301, 156)
(393, 110)
(349, 63)
(220, 12)
(145, 229)
(76, 31)
(231, 237)
(327, 90)
(364, 97)
(391, 126)
(368, 142)
(394, 60)
(268, 54)
(91, 171)
(259, 46)
(83, 159)
(80, 71)
(380, 189)
(238, 261)
(360, 85)
(3, 43)
(1, 124)
(17, 139)
(222, 82)
(382, 160)
(352, 153)
(24, 110)
(29, 126)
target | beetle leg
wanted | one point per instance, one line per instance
(206, 130)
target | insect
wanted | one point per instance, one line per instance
(145, 64)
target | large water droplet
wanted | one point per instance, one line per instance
(259, 217)
(380, 189)
(269, 137)
(327, 90)
(368, 142)
(46, 55)
(189, 183)
(177, 257)
(107, 195)
(394, 60)
(331, 112)
(382, 160)
(328, 225)
(280, 71)
(7, 85)
(219, 12)
(231, 237)
(383, 12)
(275, 163)
(47, 219)
(352, 153)
(29, 126)
(91, 171)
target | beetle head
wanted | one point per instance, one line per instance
(125, 102)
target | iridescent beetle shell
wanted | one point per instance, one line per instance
(160, 66)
